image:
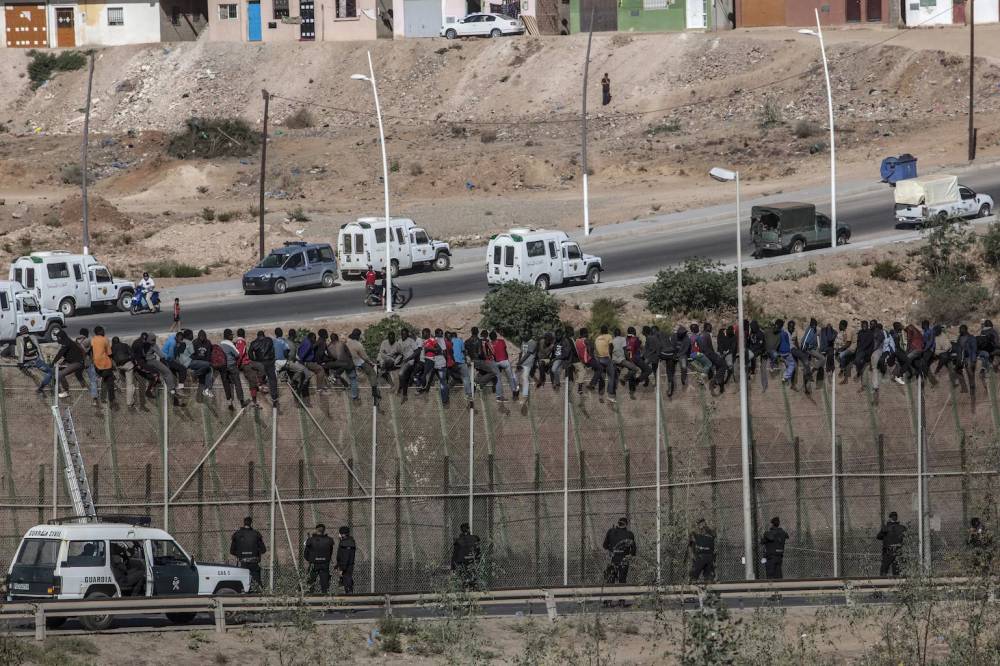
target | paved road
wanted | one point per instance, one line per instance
(633, 250)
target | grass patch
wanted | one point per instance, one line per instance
(170, 268)
(887, 269)
(671, 126)
(416, 169)
(828, 289)
(488, 136)
(44, 65)
(207, 214)
(805, 128)
(71, 174)
(208, 138)
(301, 119)
(769, 115)
(298, 215)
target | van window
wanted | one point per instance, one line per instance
(77, 273)
(86, 554)
(17, 275)
(380, 235)
(497, 253)
(359, 243)
(102, 275)
(38, 552)
(4, 303)
(312, 254)
(294, 261)
(29, 278)
(553, 252)
(420, 238)
(399, 235)
(573, 251)
(508, 256)
(536, 248)
(167, 553)
(29, 304)
(347, 243)
(59, 270)
(326, 253)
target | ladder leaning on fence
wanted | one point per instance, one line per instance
(76, 472)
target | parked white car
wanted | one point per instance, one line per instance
(483, 25)
(920, 200)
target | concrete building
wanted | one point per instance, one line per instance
(647, 15)
(298, 20)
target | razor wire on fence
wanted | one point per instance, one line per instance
(539, 481)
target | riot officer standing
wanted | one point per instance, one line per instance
(318, 552)
(891, 535)
(774, 549)
(702, 545)
(620, 544)
(247, 546)
(345, 559)
(465, 556)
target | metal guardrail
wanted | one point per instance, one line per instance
(218, 606)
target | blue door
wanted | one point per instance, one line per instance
(253, 22)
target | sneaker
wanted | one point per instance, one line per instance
(612, 399)
(900, 381)
(63, 394)
(208, 393)
(517, 394)
(180, 385)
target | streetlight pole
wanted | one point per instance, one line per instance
(385, 181)
(833, 143)
(263, 175)
(972, 79)
(725, 175)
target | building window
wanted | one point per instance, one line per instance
(280, 9)
(228, 12)
(655, 4)
(347, 9)
(116, 16)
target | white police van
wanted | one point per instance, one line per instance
(361, 244)
(98, 560)
(69, 282)
(539, 257)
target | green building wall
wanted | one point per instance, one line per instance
(632, 17)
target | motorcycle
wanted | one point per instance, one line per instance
(399, 299)
(139, 306)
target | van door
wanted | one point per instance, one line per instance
(314, 267)
(58, 283)
(8, 317)
(403, 249)
(173, 572)
(573, 264)
(555, 263)
(536, 260)
(101, 285)
(420, 246)
(81, 290)
(294, 270)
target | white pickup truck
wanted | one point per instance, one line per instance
(921, 200)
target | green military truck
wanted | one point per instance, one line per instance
(791, 227)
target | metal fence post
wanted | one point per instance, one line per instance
(659, 512)
(274, 478)
(371, 524)
(472, 448)
(566, 481)
(834, 522)
(55, 447)
(166, 474)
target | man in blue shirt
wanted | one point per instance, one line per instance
(461, 368)
(785, 352)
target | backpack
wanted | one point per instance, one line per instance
(217, 357)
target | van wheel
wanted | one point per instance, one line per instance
(394, 268)
(942, 216)
(53, 330)
(542, 282)
(280, 286)
(450, 33)
(67, 307)
(345, 276)
(798, 246)
(442, 262)
(181, 618)
(232, 617)
(328, 280)
(593, 275)
(984, 211)
(55, 622)
(841, 239)
(96, 622)
(124, 301)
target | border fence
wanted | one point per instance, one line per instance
(540, 481)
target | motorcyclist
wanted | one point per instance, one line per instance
(147, 285)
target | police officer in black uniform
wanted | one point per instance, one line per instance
(345, 559)
(774, 549)
(702, 545)
(891, 535)
(318, 553)
(247, 547)
(620, 544)
(465, 556)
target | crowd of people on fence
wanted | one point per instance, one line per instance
(601, 360)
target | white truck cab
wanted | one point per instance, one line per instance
(361, 244)
(68, 282)
(938, 198)
(95, 560)
(19, 307)
(539, 257)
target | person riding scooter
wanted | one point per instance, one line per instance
(147, 285)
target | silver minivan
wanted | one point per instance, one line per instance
(295, 265)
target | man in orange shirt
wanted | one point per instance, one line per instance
(100, 349)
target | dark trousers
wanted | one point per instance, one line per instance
(107, 383)
(272, 379)
(772, 567)
(319, 570)
(703, 566)
(231, 382)
(890, 562)
(616, 573)
(254, 567)
(347, 579)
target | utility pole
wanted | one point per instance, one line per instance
(263, 169)
(583, 129)
(972, 79)
(86, 154)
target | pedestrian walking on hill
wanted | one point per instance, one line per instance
(176, 326)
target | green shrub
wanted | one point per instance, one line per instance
(522, 310)
(44, 65)
(377, 332)
(604, 312)
(805, 129)
(828, 289)
(226, 216)
(71, 174)
(945, 251)
(207, 138)
(887, 269)
(394, 166)
(298, 215)
(170, 268)
(949, 300)
(990, 243)
(301, 119)
(700, 284)
(207, 214)
(770, 114)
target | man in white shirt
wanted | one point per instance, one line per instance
(147, 285)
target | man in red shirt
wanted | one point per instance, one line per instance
(502, 360)
(370, 278)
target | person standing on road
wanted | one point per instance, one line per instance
(701, 542)
(247, 546)
(465, 554)
(774, 549)
(605, 90)
(317, 553)
(620, 544)
(891, 535)
(346, 551)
